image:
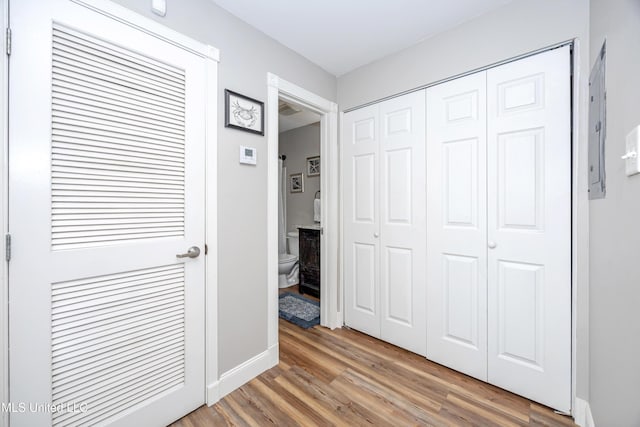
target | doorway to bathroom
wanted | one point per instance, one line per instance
(299, 214)
(302, 202)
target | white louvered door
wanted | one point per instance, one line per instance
(106, 187)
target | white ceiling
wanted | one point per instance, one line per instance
(293, 116)
(297, 120)
(341, 35)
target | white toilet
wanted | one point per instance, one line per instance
(288, 263)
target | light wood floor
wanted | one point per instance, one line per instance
(346, 378)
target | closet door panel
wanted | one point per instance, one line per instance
(402, 232)
(364, 278)
(529, 227)
(456, 224)
(520, 183)
(361, 220)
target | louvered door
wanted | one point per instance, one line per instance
(106, 187)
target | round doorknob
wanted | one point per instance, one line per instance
(376, 235)
(492, 245)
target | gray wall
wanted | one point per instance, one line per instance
(298, 144)
(614, 228)
(246, 55)
(517, 28)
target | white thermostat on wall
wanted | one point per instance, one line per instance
(248, 155)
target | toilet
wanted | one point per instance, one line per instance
(288, 263)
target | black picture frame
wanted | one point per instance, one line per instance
(243, 113)
(313, 166)
(296, 183)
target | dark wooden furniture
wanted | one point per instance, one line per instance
(309, 261)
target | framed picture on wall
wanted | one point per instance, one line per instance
(296, 183)
(243, 113)
(313, 166)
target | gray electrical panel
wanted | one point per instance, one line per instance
(597, 127)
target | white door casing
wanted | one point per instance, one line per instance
(456, 224)
(384, 220)
(330, 297)
(106, 187)
(529, 227)
(402, 220)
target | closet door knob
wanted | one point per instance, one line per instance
(492, 245)
(376, 235)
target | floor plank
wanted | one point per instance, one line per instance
(345, 378)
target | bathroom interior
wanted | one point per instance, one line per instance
(299, 213)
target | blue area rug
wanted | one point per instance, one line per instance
(299, 310)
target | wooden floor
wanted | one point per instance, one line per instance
(346, 378)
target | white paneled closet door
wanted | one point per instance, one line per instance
(360, 159)
(499, 226)
(106, 187)
(384, 221)
(456, 224)
(529, 227)
(402, 222)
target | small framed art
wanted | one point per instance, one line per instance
(296, 183)
(313, 166)
(243, 113)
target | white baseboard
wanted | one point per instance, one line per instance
(213, 393)
(583, 415)
(242, 374)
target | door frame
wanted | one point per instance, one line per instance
(579, 223)
(329, 237)
(211, 57)
(4, 213)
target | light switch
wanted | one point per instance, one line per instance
(159, 7)
(632, 156)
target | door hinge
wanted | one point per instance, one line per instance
(206, 249)
(7, 247)
(8, 43)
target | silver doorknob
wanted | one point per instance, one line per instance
(192, 252)
(492, 245)
(376, 235)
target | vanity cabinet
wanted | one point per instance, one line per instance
(309, 261)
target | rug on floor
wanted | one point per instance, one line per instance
(299, 310)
